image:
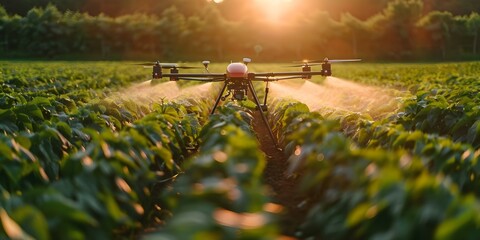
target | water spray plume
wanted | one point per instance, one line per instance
(336, 94)
(147, 92)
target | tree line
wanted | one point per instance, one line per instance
(229, 8)
(402, 30)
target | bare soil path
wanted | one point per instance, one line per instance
(283, 188)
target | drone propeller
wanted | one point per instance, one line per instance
(326, 60)
(305, 64)
(184, 67)
(165, 65)
(305, 61)
(308, 62)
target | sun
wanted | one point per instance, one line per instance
(273, 10)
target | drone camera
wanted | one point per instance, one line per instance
(238, 88)
(239, 95)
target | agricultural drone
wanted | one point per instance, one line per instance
(238, 80)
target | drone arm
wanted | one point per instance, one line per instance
(274, 79)
(201, 79)
(195, 75)
(205, 77)
(286, 74)
(277, 76)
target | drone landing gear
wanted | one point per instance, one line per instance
(261, 107)
(264, 118)
(218, 98)
(264, 105)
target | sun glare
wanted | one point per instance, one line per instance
(273, 10)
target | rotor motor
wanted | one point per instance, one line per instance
(157, 71)
(326, 69)
(306, 68)
(174, 71)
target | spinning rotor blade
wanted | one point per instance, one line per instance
(344, 60)
(155, 63)
(285, 74)
(188, 67)
(144, 64)
(305, 64)
(165, 65)
(305, 61)
(319, 62)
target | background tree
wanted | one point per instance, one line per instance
(233, 10)
(394, 27)
(138, 33)
(4, 19)
(473, 26)
(437, 26)
(456, 7)
(216, 33)
(41, 33)
(357, 29)
(171, 30)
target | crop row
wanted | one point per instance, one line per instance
(354, 189)
(458, 161)
(73, 166)
(75, 82)
(82, 167)
(442, 99)
(413, 174)
(453, 113)
(96, 189)
(221, 195)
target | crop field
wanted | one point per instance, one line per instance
(96, 150)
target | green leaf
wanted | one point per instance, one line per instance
(60, 208)
(358, 214)
(64, 129)
(32, 221)
(113, 209)
(6, 152)
(454, 228)
(7, 121)
(11, 228)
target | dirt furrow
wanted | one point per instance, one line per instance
(283, 188)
